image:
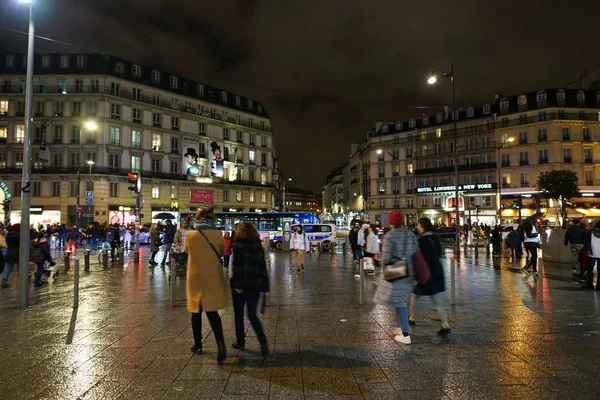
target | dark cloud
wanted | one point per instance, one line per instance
(335, 66)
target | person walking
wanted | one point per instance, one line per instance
(248, 278)
(227, 252)
(574, 239)
(371, 249)
(62, 235)
(398, 244)
(13, 239)
(154, 243)
(591, 245)
(170, 231)
(40, 254)
(205, 284)
(300, 244)
(496, 241)
(532, 243)
(353, 239)
(72, 241)
(181, 232)
(431, 248)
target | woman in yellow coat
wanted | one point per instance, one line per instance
(205, 286)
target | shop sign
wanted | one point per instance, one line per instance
(201, 196)
(451, 188)
(39, 210)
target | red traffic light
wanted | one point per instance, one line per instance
(132, 176)
(538, 220)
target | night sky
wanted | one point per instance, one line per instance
(327, 69)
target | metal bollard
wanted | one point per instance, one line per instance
(76, 285)
(86, 259)
(476, 249)
(136, 257)
(540, 268)
(173, 281)
(67, 260)
(361, 273)
(105, 258)
(120, 256)
(452, 282)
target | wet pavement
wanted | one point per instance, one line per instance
(126, 342)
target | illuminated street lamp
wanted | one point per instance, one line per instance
(396, 190)
(90, 126)
(505, 142)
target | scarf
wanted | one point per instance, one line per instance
(205, 224)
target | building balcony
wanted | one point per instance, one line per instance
(523, 163)
(589, 161)
(566, 138)
(505, 164)
(506, 185)
(542, 139)
(524, 184)
(382, 175)
(543, 161)
(589, 183)
(587, 138)
(567, 160)
(523, 141)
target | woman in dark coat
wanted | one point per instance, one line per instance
(496, 241)
(431, 248)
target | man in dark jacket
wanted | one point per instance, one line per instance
(40, 253)
(353, 239)
(114, 239)
(591, 245)
(12, 252)
(170, 231)
(574, 239)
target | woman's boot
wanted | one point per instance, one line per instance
(264, 346)
(222, 351)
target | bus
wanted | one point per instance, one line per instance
(265, 222)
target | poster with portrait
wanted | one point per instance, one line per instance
(216, 162)
(190, 151)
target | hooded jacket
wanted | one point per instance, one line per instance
(40, 251)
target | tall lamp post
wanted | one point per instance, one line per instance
(432, 81)
(283, 195)
(380, 151)
(90, 126)
(505, 142)
(90, 163)
(26, 175)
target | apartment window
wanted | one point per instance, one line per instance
(200, 90)
(9, 61)
(90, 156)
(78, 86)
(115, 111)
(224, 97)
(94, 85)
(522, 137)
(155, 192)
(588, 155)
(523, 158)
(115, 136)
(72, 189)
(20, 108)
(263, 159)
(263, 178)
(137, 115)
(156, 142)
(89, 186)
(174, 82)
(240, 136)
(567, 155)
(114, 161)
(156, 99)
(587, 137)
(155, 76)
(114, 189)
(62, 86)
(55, 189)
(3, 107)
(37, 189)
(74, 159)
(250, 105)
(251, 197)
(541, 96)
(3, 134)
(589, 177)
(115, 88)
(238, 196)
(225, 195)
(45, 61)
(136, 71)
(156, 165)
(174, 144)
(542, 135)
(506, 160)
(92, 108)
(543, 156)
(156, 119)
(201, 128)
(202, 150)
(175, 167)
(58, 108)
(251, 155)
(469, 144)
(137, 94)
(424, 202)
(57, 160)
(76, 108)
(18, 159)
(381, 171)
(524, 182)
(136, 139)
(19, 133)
(252, 139)
(136, 163)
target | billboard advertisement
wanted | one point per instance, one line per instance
(191, 147)
(216, 160)
(201, 196)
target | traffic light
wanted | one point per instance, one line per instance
(6, 205)
(517, 203)
(538, 220)
(135, 180)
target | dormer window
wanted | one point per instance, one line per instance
(412, 123)
(64, 61)
(560, 95)
(200, 90)
(470, 113)
(259, 109)
(174, 82)
(45, 61)
(426, 120)
(439, 118)
(136, 71)
(384, 128)
(541, 96)
(580, 95)
(504, 103)
(250, 105)
(81, 62)
(155, 76)
(224, 97)
(522, 100)
(9, 61)
(119, 68)
(398, 126)
(238, 101)
(486, 109)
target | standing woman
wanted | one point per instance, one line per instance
(398, 244)
(154, 243)
(431, 248)
(227, 252)
(249, 279)
(205, 285)
(532, 244)
(496, 241)
(371, 249)
(299, 242)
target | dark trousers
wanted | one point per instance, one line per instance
(589, 277)
(166, 250)
(215, 324)
(355, 251)
(532, 249)
(251, 300)
(153, 255)
(37, 280)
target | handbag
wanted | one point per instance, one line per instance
(395, 271)
(421, 268)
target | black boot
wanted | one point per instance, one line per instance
(222, 352)
(264, 346)
(5, 283)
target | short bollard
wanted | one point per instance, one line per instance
(452, 282)
(105, 258)
(173, 281)
(136, 257)
(76, 285)
(86, 260)
(540, 280)
(120, 256)
(361, 278)
(67, 260)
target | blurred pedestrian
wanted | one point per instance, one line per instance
(532, 243)
(205, 285)
(431, 248)
(496, 241)
(248, 278)
(353, 239)
(13, 239)
(227, 251)
(591, 244)
(154, 243)
(398, 244)
(40, 254)
(574, 239)
(181, 232)
(170, 231)
(371, 249)
(300, 244)
(72, 241)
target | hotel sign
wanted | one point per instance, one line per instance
(451, 188)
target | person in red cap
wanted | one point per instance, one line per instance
(398, 244)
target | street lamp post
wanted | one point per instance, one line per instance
(505, 142)
(283, 194)
(90, 163)
(89, 126)
(432, 80)
(395, 190)
(26, 176)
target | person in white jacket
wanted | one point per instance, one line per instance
(371, 249)
(300, 244)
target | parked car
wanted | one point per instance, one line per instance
(446, 233)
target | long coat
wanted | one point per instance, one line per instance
(205, 284)
(397, 244)
(154, 238)
(431, 249)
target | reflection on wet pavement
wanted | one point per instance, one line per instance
(125, 341)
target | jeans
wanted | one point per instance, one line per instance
(37, 280)
(589, 278)
(251, 300)
(215, 323)
(166, 250)
(436, 299)
(226, 261)
(403, 318)
(532, 250)
(8, 268)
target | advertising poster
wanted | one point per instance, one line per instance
(191, 147)
(201, 196)
(216, 159)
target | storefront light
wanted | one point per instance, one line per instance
(204, 180)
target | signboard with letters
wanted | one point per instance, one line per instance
(451, 188)
(201, 196)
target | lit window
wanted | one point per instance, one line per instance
(3, 107)
(470, 113)
(115, 136)
(250, 104)
(384, 128)
(263, 198)
(224, 97)
(541, 96)
(20, 134)
(3, 133)
(251, 197)
(155, 192)
(238, 196)
(438, 133)
(522, 100)
(439, 118)
(251, 155)
(412, 123)
(136, 163)
(155, 76)
(156, 142)
(173, 192)
(398, 126)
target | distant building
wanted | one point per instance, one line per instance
(302, 200)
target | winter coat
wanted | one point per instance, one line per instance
(170, 233)
(575, 234)
(249, 267)
(180, 235)
(40, 251)
(431, 248)
(154, 240)
(13, 239)
(397, 244)
(299, 241)
(73, 235)
(372, 245)
(353, 237)
(205, 284)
